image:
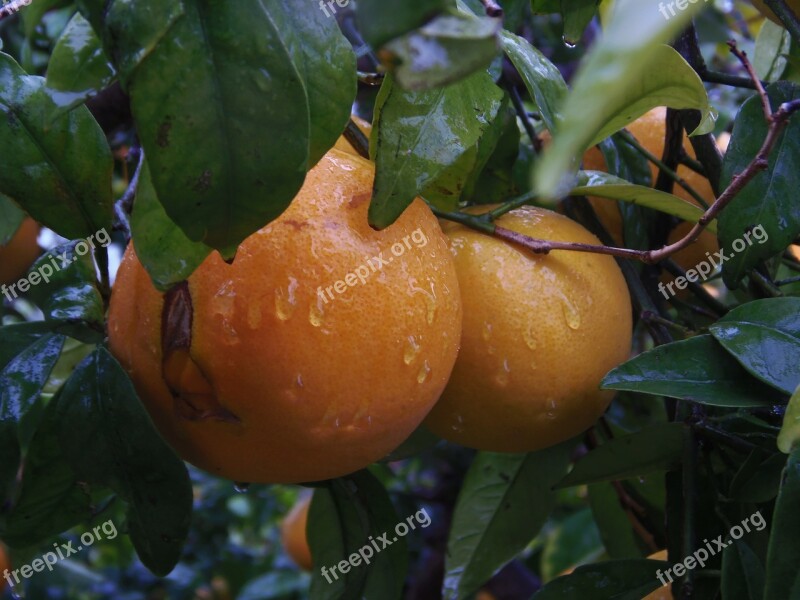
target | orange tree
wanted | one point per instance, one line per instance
(293, 313)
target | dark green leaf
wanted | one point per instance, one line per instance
(655, 449)
(33, 13)
(10, 219)
(759, 477)
(575, 541)
(504, 501)
(341, 520)
(613, 523)
(79, 67)
(629, 579)
(444, 51)
(783, 555)
(742, 573)
(16, 338)
(763, 219)
(161, 246)
(417, 135)
(764, 336)
(577, 16)
(545, 84)
(772, 47)
(50, 501)
(21, 384)
(59, 172)
(696, 370)
(63, 283)
(382, 20)
(230, 126)
(109, 439)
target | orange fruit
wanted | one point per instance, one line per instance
(18, 255)
(664, 592)
(5, 565)
(318, 351)
(539, 334)
(767, 11)
(649, 130)
(344, 146)
(293, 534)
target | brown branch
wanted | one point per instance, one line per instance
(493, 9)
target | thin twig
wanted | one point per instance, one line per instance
(13, 8)
(748, 66)
(493, 9)
(522, 113)
(357, 139)
(124, 206)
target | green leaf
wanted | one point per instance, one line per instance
(575, 541)
(742, 573)
(603, 185)
(783, 554)
(21, 384)
(766, 206)
(109, 439)
(382, 20)
(63, 284)
(764, 336)
(17, 338)
(629, 579)
(758, 478)
(161, 246)
(230, 123)
(503, 503)
(33, 13)
(577, 16)
(11, 218)
(790, 431)
(628, 72)
(444, 51)
(51, 501)
(417, 135)
(612, 522)
(655, 449)
(59, 173)
(78, 67)
(772, 48)
(545, 84)
(342, 520)
(695, 370)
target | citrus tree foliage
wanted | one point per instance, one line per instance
(225, 106)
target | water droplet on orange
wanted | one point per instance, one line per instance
(424, 373)
(412, 350)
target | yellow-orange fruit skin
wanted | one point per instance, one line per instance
(293, 534)
(664, 592)
(18, 255)
(321, 386)
(540, 332)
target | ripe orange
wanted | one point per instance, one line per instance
(540, 332)
(296, 370)
(293, 534)
(18, 255)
